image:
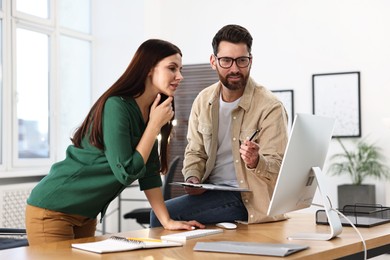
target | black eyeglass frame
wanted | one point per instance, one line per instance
(234, 61)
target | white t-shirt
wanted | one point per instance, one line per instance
(223, 172)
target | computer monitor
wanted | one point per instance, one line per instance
(301, 172)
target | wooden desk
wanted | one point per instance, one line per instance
(347, 244)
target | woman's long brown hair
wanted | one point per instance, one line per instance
(130, 84)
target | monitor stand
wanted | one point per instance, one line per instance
(333, 218)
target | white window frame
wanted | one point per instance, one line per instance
(5, 131)
(34, 19)
(16, 161)
(11, 165)
(2, 86)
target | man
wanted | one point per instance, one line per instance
(222, 119)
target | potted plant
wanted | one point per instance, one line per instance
(362, 162)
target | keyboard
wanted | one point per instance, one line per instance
(196, 233)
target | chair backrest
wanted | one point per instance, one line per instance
(169, 178)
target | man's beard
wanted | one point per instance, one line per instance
(236, 84)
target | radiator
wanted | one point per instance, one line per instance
(13, 204)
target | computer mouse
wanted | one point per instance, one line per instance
(226, 225)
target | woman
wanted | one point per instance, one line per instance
(113, 147)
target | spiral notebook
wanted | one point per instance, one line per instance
(120, 244)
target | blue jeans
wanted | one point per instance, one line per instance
(207, 208)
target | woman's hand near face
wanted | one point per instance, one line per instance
(161, 114)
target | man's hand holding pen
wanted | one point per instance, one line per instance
(249, 151)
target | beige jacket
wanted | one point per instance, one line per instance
(257, 109)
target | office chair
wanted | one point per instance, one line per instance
(12, 237)
(142, 215)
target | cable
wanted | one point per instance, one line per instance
(357, 231)
(353, 225)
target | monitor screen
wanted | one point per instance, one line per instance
(303, 160)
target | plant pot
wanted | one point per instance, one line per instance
(350, 194)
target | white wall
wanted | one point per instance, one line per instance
(293, 39)
(118, 30)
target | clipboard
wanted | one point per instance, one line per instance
(208, 186)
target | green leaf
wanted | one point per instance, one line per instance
(362, 162)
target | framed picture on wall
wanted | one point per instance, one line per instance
(287, 98)
(337, 95)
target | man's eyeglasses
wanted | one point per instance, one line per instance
(227, 62)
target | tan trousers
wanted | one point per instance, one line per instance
(44, 226)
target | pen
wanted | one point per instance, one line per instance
(254, 134)
(144, 239)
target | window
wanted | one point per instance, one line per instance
(47, 81)
(32, 93)
(39, 8)
(75, 14)
(1, 88)
(75, 77)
